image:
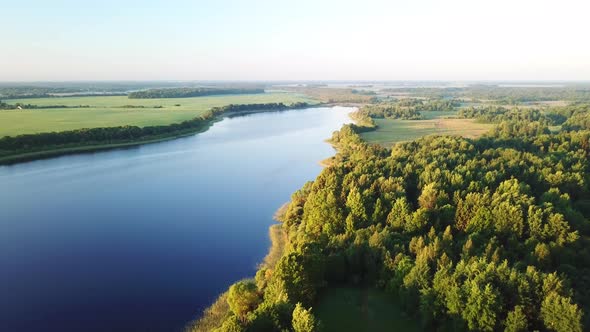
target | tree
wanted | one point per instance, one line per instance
(419, 276)
(481, 221)
(508, 219)
(303, 319)
(275, 316)
(302, 272)
(356, 210)
(379, 212)
(559, 314)
(322, 213)
(231, 324)
(400, 212)
(516, 320)
(543, 254)
(430, 196)
(243, 297)
(480, 310)
(418, 221)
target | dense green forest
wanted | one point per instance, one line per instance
(190, 92)
(489, 234)
(30, 143)
(571, 117)
(499, 113)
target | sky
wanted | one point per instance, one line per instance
(63, 40)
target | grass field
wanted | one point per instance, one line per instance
(109, 111)
(358, 309)
(391, 131)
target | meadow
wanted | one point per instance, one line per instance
(359, 309)
(391, 131)
(111, 111)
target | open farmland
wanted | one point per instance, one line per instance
(391, 131)
(111, 111)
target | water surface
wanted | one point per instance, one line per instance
(143, 239)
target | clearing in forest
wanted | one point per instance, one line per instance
(361, 309)
(391, 131)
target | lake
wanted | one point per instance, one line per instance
(145, 238)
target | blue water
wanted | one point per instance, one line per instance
(143, 239)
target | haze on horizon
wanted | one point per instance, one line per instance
(303, 40)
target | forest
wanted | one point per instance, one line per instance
(406, 109)
(190, 92)
(571, 117)
(486, 234)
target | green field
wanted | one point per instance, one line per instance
(391, 131)
(109, 111)
(358, 309)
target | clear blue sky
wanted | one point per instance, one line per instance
(296, 40)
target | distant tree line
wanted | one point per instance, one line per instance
(497, 114)
(36, 92)
(407, 109)
(237, 108)
(571, 117)
(5, 106)
(190, 92)
(505, 95)
(77, 89)
(121, 134)
(363, 92)
(390, 111)
(440, 105)
(12, 92)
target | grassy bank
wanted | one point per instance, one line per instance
(212, 317)
(279, 241)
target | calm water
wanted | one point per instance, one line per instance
(144, 239)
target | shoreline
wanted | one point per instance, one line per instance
(82, 149)
(327, 162)
(219, 309)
